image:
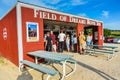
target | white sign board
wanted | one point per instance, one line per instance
(5, 33)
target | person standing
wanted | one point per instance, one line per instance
(68, 42)
(89, 40)
(48, 43)
(82, 42)
(72, 43)
(75, 43)
(61, 38)
(53, 41)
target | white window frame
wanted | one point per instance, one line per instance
(33, 23)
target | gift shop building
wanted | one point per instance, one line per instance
(22, 29)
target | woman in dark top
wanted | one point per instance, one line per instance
(48, 42)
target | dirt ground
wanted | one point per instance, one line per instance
(89, 67)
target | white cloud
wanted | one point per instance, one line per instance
(63, 4)
(98, 5)
(78, 2)
(112, 25)
(69, 2)
(36, 2)
(83, 14)
(105, 14)
(52, 1)
(64, 7)
(68, 5)
(39, 3)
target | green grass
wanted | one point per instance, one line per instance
(115, 34)
(1, 59)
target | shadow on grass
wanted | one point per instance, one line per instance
(101, 73)
(25, 76)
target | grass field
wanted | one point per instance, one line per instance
(115, 34)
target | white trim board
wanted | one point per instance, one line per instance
(19, 33)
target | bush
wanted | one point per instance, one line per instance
(107, 32)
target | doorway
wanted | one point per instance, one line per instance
(57, 26)
(93, 30)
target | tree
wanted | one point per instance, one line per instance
(107, 32)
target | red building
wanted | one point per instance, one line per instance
(22, 29)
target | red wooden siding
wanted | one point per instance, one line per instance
(80, 27)
(100, 35)
(28, 16)
(8, 48)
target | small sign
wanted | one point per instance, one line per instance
(5, 33)
(32, 32)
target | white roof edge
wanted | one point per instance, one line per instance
(48, 9)
(51, 10)
(8, 11)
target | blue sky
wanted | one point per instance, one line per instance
(107, 11)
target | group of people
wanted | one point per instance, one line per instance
(71, 41)
(49, 40)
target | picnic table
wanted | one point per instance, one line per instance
(41, 68)
(55, 57)
(110, 50)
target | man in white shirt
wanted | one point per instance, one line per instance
(61, 37)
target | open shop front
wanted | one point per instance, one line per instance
(73, 29)
(57, 26)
